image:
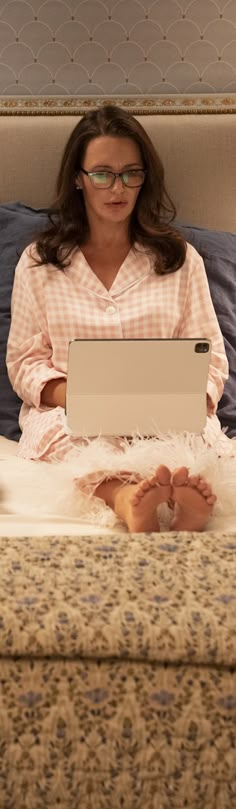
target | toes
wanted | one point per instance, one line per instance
(206, 493)
(211, 500)
(194, 480)
(137, 496)
(202, 484)
(143, 487)
(153, 481)
(205, 488)
(180, 476)
(135, 500)
(163, 475)
(160, 479)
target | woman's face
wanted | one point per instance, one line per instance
(116, 154)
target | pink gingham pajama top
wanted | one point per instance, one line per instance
(51, 307)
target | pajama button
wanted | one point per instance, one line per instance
(111, 310)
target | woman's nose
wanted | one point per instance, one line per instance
(118, 184)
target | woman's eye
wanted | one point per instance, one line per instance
(134, 173)
(101, 176)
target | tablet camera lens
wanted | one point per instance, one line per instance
(202, 348)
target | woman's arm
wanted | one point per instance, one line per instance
(200, 321)
(29, 351)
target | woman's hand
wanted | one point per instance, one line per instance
(54, 393)
(210, 406)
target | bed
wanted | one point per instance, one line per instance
(117, 672)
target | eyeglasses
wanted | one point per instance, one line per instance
(133, 178)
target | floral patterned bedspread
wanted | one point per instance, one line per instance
(118, 672)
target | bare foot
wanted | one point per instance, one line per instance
(193, 499)
(136, 504)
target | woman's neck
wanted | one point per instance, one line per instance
(106, 238)
(107, 247)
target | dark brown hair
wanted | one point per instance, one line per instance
(153, 211)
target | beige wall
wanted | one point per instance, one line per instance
(117, 47)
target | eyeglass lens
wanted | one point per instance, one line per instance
(106, 179)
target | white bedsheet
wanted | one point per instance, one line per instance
(23, 527)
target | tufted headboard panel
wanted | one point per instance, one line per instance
(198, 151)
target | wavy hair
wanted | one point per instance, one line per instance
(150, 222)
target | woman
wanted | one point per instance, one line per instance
(111, 265)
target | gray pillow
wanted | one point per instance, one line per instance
(218, 250)
(19, 225)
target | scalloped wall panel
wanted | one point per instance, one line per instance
(82, 47)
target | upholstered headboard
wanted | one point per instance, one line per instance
(198, 149)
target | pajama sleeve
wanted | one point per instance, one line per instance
(199, 320)
(29, 351)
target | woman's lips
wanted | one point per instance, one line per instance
(116, 203)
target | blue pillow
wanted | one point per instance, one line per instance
(19, 225)
(218, 250)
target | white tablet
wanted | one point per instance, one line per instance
(118, 387)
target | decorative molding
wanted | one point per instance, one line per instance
(139, 105)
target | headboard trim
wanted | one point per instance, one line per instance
(139, 105)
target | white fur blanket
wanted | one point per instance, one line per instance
(35, 490)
